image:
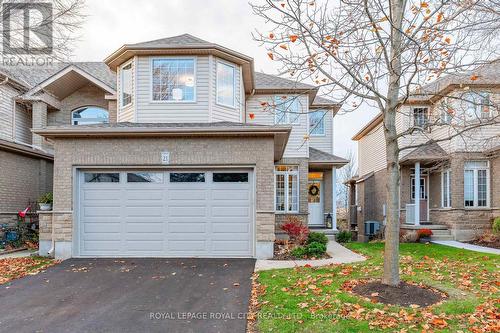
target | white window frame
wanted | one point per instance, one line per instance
(423, 189)
(323, 116)
(476, 184)
(130, 63)
(286, 174)
(195, 83)
(426, 115)
(91, 123)
(295, 100)
(446, 185)
(233, 67)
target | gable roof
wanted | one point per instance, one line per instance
(265, 81)
(174, 41)
(430, 151)
(317, 156)
(30, 76)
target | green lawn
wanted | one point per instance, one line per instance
(312, 300)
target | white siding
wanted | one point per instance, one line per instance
(23, 124)
(7, 94)
(324, 142)
(220, 112)
(372, 151)
(297, 145)
(170, 112)
(127, 113)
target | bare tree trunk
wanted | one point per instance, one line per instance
(391, 254)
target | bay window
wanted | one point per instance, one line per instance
(287, 189)
(286, 110)
(317, 123)
(446, 189)
(476, 184)
(173, 79)
(226, 90)
(126, 85)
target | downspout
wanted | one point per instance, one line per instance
(53, 243)
(246, 109)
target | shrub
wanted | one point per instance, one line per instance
(424, 233)
(299, 252)
(46, 198)
(295, 230)
(496, 226)
(316, 249)
(344, 237)
(317, 237)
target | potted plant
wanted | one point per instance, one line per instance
(424, 235)
(45, 201)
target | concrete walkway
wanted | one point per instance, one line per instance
(470, 247)
(18, 254)
(338, 254)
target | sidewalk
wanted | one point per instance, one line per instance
(466, 246)
(338, 253)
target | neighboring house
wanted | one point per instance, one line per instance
(459, 175)
(177, 148)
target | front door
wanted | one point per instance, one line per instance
(423, 197)
(315, 199)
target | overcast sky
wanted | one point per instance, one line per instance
(112, 23)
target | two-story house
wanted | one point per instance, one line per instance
(177, 148)
(451, 145)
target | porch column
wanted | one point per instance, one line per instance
(417, 193)
(334, 199)
(39, 120)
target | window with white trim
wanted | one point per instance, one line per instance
(476, 184)
(478, 105)
(286, 110)
(126, 85)
(421, 117)
(226, 90)
(446, 188)
(287, 189)
(317, 123)
(173, 79)
(89, 115)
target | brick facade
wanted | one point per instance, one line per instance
(186, 151)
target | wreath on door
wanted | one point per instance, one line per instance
(313, 190)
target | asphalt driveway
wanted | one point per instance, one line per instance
(130, 295)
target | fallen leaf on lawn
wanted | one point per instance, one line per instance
(236, 284)
(303, 305)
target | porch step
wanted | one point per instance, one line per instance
(330, 234)
(424, 226)
(439, 235)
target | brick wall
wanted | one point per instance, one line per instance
(23, 179)
(186, 151)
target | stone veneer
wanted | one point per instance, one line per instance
(146, 152)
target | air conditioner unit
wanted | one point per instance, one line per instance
(371, 228)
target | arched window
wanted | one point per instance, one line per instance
(89, 115)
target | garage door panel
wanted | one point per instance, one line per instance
(176, 227)
(144, 227)
(167, 219)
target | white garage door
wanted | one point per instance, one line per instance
(165, 213)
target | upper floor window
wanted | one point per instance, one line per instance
(286, 110)
(89, 115)
(421, 117)
(226, 89)
(476, 183)
(173, 79)
(317, 123)
(478, 105)
(126, 85)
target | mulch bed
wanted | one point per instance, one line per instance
(480, 242)
(283, 252)
(405, 294)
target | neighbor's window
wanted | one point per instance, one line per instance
(478, 105)
(421, 117)
(89, 115)
(144, 177)
(226, 89)
(174, 80)
(286, 110)
(317, 123)
(287, 189)
(446, 189)
(102, 177)
(126, 85)
(476, 183)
